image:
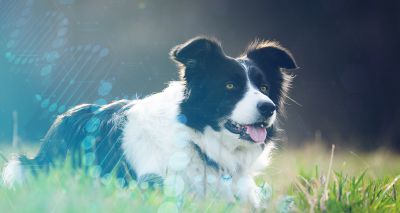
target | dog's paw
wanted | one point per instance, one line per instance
(150, 181)
(260, 196)
(248, 192)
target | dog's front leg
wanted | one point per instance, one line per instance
(248, 192)
(150, 172)
(148, 163)
(150, 180)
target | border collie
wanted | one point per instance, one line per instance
(212, 129)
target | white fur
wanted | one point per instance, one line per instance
(245, 111)
(13, 173)
(153, 135)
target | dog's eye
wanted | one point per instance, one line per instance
(230, 86)
(264, 88)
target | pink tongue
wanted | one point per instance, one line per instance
(258, 134)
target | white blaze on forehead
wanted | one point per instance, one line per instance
(245, 111)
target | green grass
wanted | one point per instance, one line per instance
(299, 180)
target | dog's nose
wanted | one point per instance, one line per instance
(266, 108)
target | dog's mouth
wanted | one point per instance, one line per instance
(256, 132)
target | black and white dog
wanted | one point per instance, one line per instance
(212, 129)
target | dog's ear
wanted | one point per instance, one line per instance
(196, 50)
(270, 53)
(270, 57)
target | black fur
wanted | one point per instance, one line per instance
(81, 126)
(205, 158)
(206, 69)
(270, 58)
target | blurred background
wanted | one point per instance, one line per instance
(58, 53)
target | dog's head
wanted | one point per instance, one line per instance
(241, 95)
